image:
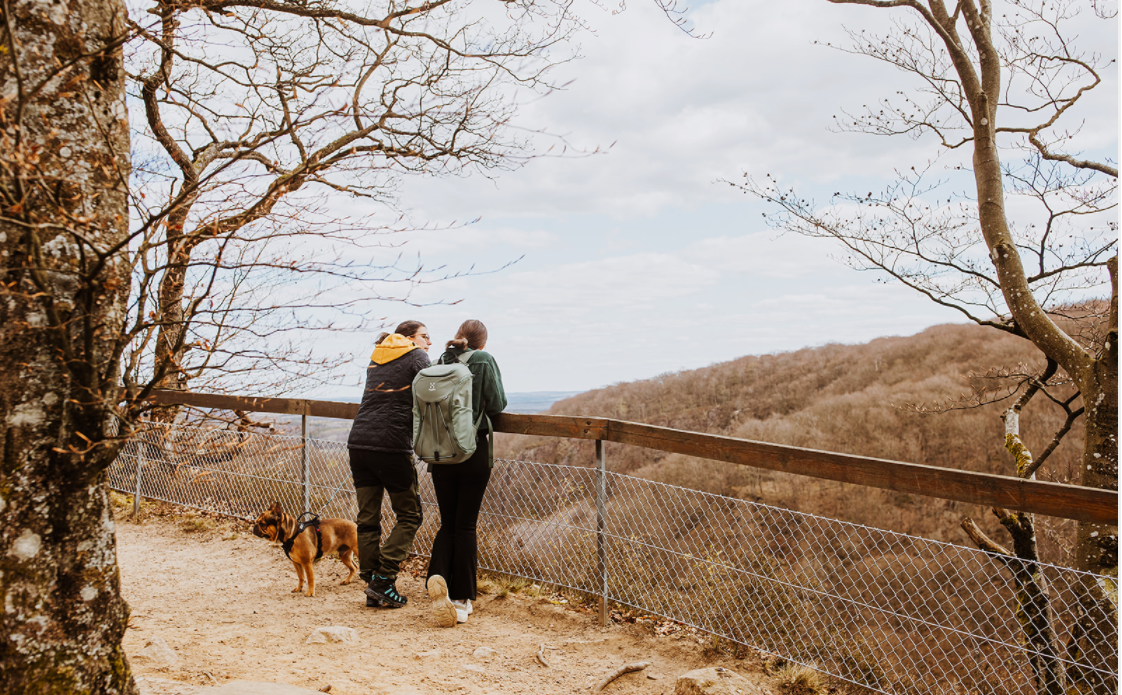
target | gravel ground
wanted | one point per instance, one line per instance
(221, 599)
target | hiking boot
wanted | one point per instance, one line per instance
(364, 577)
(442, 609)
(385, 590)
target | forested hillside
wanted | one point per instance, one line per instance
(849, 398)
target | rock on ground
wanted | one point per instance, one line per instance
(715, 681)
(333, 633)
(252, 688)
(158, 652)
(155, 686)
(484, 654)
(161, 686)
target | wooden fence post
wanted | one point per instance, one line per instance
(139, 470)
(305, 468)
(601, 531)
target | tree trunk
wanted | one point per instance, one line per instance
(64, 167)
(1033, 611)
(170, 351)
(1098, 544)
(1095, 638)
(1096, 641)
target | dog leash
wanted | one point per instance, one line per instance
(324, 505)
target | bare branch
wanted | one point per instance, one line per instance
(982, 540)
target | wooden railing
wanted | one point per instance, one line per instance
(1051, 499)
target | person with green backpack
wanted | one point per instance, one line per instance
(453, 403)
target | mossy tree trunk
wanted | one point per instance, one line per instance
(64, 164)
(1023, 561)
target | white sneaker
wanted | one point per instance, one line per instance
(442, 609)
(463, 610)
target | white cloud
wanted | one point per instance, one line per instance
(636, 261)
(682, 112)
(604, 286)
(479, 239)
(764, 254)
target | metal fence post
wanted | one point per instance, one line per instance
(139, 469)
(306, 473)
(601, 530)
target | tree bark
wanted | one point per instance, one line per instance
(64, 166)
(1033, 612)
(1096, 635)
(1097, 377)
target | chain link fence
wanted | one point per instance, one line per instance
(890, 612)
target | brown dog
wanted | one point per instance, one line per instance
(327, 536)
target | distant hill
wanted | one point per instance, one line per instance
(535, 401)
(846, 398)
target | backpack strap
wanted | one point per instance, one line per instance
(490, 433)
(463, 359)
(490, 442)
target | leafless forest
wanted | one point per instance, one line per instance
(895, 398)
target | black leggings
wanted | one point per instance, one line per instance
(459, 493)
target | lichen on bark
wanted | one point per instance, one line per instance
(64, 161)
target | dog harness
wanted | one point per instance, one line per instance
(302, 526)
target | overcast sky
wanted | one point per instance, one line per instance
(639, 261)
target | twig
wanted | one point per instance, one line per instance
(982, 540)
(541, 656)
(626, 668)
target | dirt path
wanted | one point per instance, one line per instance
(221, 598)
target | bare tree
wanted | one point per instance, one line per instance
(255, 110)
(1033, 239)
(252, 112)
(64, 166)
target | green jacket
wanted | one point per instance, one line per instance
(486, 384)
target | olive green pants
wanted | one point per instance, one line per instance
(375, 557)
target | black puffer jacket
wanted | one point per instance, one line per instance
(385, 416)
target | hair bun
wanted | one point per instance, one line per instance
(472, 334)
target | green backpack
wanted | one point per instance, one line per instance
(443, 429)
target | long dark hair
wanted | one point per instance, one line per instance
(407, 329)
(472, 334)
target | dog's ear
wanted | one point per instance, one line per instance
(276, 508)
